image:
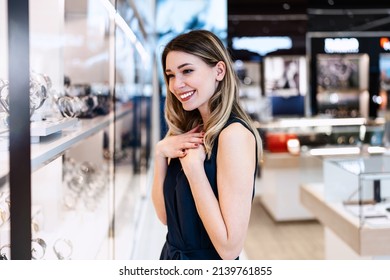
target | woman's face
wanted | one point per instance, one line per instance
(192, 81)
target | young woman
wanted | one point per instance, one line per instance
(204, 173)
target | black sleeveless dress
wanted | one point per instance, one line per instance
(187, 238)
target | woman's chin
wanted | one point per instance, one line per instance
(188, 108)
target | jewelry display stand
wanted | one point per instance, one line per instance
(44, 128)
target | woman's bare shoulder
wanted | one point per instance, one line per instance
(236, 134)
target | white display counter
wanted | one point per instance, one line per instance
(345, 236)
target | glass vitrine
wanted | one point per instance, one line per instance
(361, 186)
(4, 138)
(80, 168)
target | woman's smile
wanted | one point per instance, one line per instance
(186, 95)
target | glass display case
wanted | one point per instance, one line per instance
(87, 137)
(322, 136)
(5, 206)
(361, 187)
(296, 147)
(352, 203)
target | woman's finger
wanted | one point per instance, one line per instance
(195, 129)
(195, 137)
(181, 153)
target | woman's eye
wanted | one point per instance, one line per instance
(169, 76)
(187, 71)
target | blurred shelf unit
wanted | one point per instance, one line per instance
(310, 134)
(294, 152)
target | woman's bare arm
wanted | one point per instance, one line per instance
(226, 221)
(170, 147)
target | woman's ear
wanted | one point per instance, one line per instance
(221, 70)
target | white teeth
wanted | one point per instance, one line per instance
(185, 95)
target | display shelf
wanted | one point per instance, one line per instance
(314, 122)
(86, 241)
(55, 144)
(82, 140)
(39, 129)
(317, 132)
(365, 240)
(84, 222)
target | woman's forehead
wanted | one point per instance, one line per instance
(175, 59)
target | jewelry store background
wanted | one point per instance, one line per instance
(81, 106)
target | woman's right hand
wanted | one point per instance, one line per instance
(177, 145)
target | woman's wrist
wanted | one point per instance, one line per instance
(157, 152)
(195, 170)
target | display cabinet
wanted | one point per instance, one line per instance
(362, 182)
(87, 132)
(294, 149)
(5, 194)
(353, 204)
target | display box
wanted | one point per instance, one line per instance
(361, 187)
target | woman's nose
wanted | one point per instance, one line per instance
(178, 83)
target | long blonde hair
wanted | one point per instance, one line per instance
(225, 101)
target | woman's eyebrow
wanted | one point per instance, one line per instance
(180, 66)
(183, 65)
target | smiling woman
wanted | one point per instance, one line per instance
(206, 208)
(190, 79)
